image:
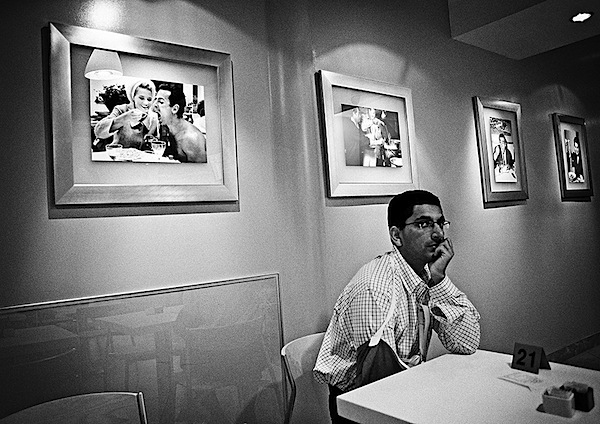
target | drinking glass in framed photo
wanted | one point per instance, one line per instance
(573, 157)
(501, 152)
(368, 136)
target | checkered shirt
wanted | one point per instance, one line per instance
(363, 304)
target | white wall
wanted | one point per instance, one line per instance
(46, 259)
(530, 269)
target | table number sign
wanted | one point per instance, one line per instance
(529, 358)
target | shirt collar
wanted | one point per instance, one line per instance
(411, 281)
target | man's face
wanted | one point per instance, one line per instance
(162, 107)
(420, 244)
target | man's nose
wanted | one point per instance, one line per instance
(438, 232)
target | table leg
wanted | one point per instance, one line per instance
(164, 374)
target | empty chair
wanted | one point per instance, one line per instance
(97, 408)
(308, 399)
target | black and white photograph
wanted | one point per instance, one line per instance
(374, 138)
(126, 110)
(368, 136)
(144, 120)
(572, 157)
(501, 151)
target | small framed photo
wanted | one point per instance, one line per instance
(573, 157)
(368, 136)
(501, 151)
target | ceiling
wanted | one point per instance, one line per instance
(519, 29)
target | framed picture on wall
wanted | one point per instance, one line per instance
(501, 151)
(573, 157)
(175, 141)
(368, 136)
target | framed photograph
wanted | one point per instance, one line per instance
(501, 151)
(368, 136)
(573, 157)
(163, 133)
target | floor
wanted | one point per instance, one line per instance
(587, 359)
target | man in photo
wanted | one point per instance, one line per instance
(503, 158)
(576, 174)
(187, 142)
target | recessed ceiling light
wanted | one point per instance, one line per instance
(581, 17)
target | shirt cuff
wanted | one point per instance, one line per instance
(443, 290)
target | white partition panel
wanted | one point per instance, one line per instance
(200, 353)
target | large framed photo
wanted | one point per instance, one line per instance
(501, 151)
(573, 157)
(368, 136)
(160, 135)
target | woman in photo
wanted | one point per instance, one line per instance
(129, 123)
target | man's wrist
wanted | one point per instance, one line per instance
(435, 280)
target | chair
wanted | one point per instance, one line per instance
(98, 408)
(231, 356)
(31, 379)
(308, 398)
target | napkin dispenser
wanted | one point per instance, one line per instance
(583, 395)
(558, 401)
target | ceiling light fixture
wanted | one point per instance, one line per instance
(581, 17)
(103, 65)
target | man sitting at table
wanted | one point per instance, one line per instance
(411, 275)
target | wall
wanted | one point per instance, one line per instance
(46, 259)
(526, 267)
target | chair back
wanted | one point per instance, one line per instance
(308, 399)
(31, 379)
(96, 408)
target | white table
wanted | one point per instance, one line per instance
(464, 389)
(140, 156)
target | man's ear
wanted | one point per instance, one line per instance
(396, 236)
(175, 108)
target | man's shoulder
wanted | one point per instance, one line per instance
(378, 263)
(191, 130)
(374, 274)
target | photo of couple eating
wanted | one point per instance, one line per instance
(146, 121)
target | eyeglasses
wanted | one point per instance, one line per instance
(429, 224)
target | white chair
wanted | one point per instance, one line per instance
(31, 379)
(308, 399)
(98, 408)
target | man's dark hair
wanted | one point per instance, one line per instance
(177, 97)
(401, 206)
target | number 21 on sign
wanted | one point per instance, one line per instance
(529, 358)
